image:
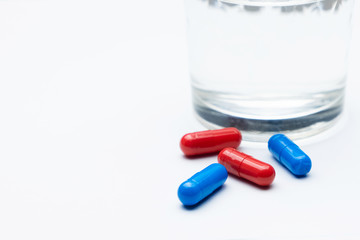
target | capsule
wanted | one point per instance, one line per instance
(289, 154)
(210, 141)
(202, 184)
(247, 167)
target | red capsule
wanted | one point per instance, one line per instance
(245, 166)
(210, 141)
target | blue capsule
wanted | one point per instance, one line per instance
(289, 154)
(202, 184)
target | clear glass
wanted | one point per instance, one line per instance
(269, 66)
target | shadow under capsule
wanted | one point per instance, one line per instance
(201, 156)
(205, 200)
(264, 188)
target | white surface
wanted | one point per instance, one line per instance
(94, 98)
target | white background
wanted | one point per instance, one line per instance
(94, 98)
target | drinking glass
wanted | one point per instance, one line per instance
(268, 66)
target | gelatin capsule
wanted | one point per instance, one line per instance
(289, 154)
(202, 184)
(247, 167)
(210, 141)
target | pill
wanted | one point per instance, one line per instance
(245, 166)
(202, 184)
(289, 154)
(210, 141)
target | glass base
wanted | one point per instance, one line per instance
(255, 129)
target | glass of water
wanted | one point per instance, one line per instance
(269, 66)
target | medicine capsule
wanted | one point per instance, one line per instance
(202, 184)
(289, 154)
(210, 141)
(247, 167)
